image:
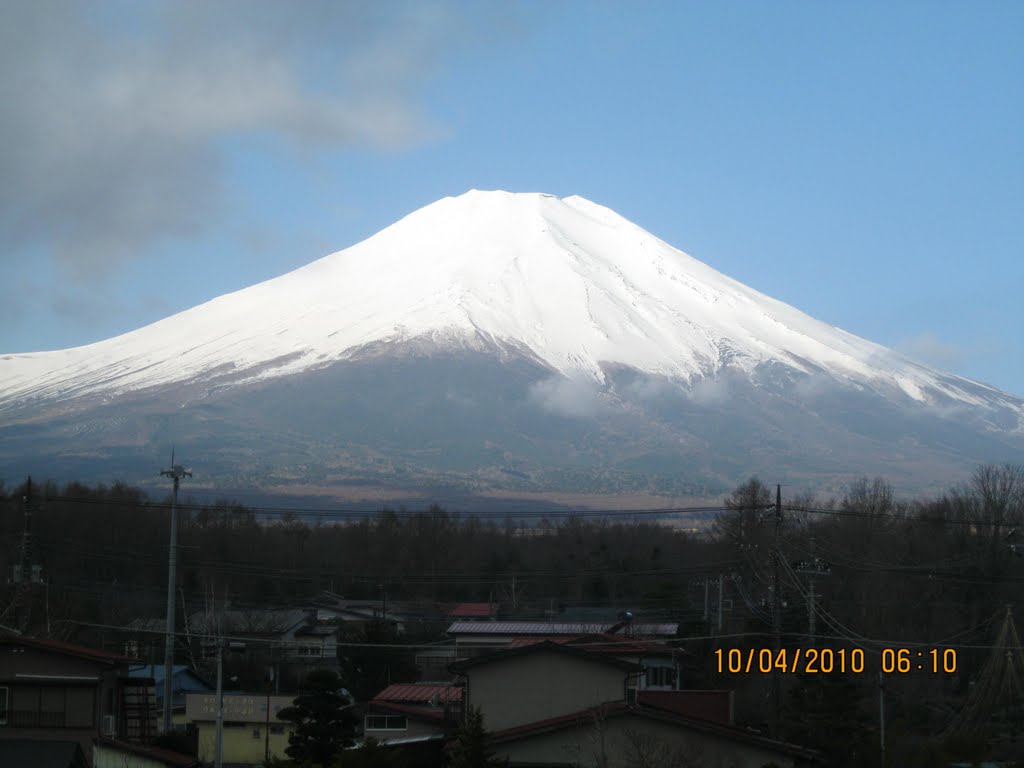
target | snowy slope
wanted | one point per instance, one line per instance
(572, 281)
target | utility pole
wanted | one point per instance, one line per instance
(720, 587)
(218, 746)
(176, 472)
(776, 614)
(266, 730)
(812, 568)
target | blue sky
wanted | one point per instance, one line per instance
(863, 162)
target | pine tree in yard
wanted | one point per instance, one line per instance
(323, 726)
(470, 750)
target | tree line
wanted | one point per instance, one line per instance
(887, 573)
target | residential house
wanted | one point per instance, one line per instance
(298, 639)
(184, 680)
(407, 711)
(551, 703)
(251, 733)
(660, 663)
(474, 638)
(61, 692)
(278, 645)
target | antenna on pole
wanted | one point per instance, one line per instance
(176, 472)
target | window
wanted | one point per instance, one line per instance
(385, 723)
(276, 730)
(257, 733)
(660, 677)
(48, 707)
(3, 706)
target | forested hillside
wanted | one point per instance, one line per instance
(885, 576)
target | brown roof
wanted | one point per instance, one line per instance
(420, 693)
(69, 649)
(473, 610)
(621, 709)
(703, 705)
(579, 652)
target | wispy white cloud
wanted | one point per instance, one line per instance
(578, 398)
(116, 115)
(928, 348)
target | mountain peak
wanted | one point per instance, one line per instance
(567, 280)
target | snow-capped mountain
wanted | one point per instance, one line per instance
(568, 287)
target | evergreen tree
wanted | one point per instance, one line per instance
(323, 724)
(374, 663)
(470, 748)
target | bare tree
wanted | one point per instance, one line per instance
(646, 751)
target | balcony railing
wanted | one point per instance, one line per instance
(30, 718)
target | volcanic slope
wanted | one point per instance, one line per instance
(500, 340)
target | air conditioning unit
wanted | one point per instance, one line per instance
(107, 726)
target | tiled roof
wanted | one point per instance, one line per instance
(520, 642)
(554, 628)
(420, 693)
(621, 709)
(474, 610)
(69, 649)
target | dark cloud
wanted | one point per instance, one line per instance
(116, 114)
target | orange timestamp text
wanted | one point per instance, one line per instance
(826, 661)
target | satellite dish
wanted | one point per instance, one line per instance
(435, 700)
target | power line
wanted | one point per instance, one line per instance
(376, 513)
